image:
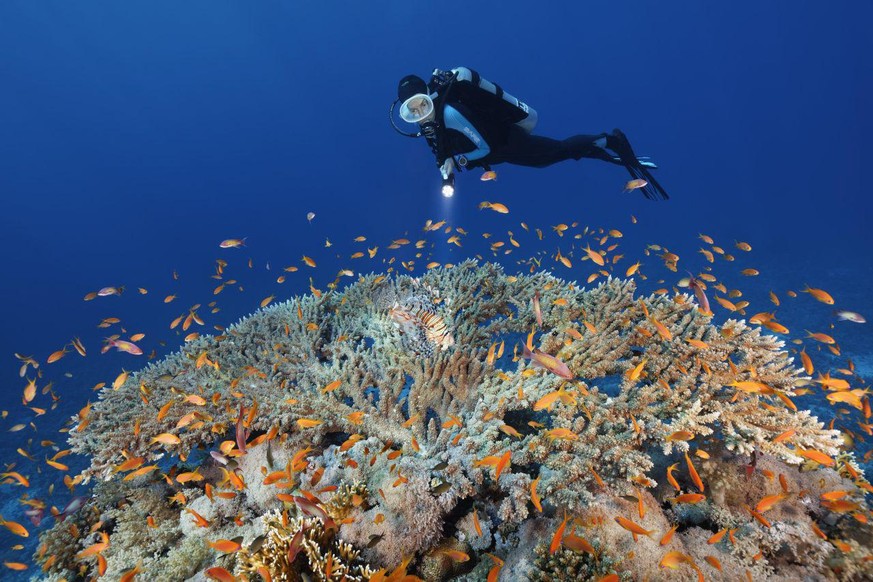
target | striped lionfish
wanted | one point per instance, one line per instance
(420, 324)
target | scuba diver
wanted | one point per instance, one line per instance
(470, 122)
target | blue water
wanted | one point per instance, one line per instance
(135, 136)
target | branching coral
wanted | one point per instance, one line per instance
(413, 390)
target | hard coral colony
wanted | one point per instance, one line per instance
(383, 432)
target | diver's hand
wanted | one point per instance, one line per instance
(447, 168)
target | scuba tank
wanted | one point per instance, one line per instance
(481, 94)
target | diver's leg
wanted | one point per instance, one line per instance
(524, 149)
(591, 146)
(537, 151)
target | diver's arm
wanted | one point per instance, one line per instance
(455, 120)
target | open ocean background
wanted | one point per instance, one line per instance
(135, 136)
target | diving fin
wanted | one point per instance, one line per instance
(645, 161)
(639, 170)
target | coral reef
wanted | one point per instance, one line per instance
(398, 425)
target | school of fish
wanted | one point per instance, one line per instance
(579, 252)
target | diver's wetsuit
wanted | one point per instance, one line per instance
(479, 125)
(524, 149)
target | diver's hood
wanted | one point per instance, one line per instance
(416, 108)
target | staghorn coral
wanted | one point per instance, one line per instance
(413, 427)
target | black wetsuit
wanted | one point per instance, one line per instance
(524, 149)
(479, 125)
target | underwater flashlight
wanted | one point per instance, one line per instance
(448, 184)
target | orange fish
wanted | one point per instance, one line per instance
(96, 548)
(691, 498)
(821, 337)
(662, 329)
(198, 519)
(493, 573)
(834, 495)
(594, 256)
(668, 536)
(841, 505)
(456, 555)
(634, 373)
(694, 475)
(534, 497)
(752, 387)
(634, 528)
(634, 185)
(503, 463)
(495, 206)
(807, 362)
(220, 575)
(561, 434)
(769, 502)
(166, 438)
(670, 478)
(673, 559)
(713, 561)
(578, 544)
(758, 516)
(819, 294)
(14, 527)
(816, 456)
(557, 537)
(232, 243)
(476, 523)
(129, 575)
(224, 546)
(331, 387)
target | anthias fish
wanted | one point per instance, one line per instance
(547, 362)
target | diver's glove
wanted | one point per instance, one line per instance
(448, 168)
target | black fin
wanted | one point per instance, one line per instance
(619, 143)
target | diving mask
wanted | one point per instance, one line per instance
(417, 108)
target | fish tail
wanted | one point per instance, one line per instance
(526, 352)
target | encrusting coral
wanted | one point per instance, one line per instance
(399, 409)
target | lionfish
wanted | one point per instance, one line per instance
(421, 324)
